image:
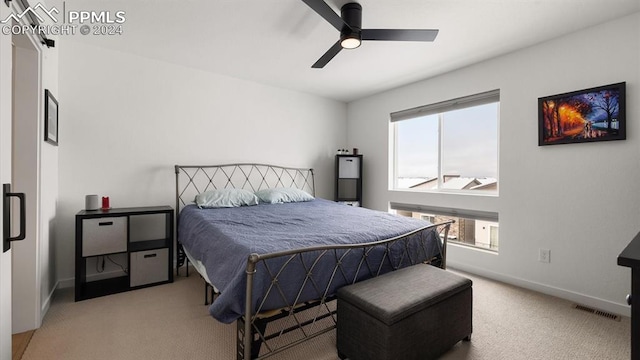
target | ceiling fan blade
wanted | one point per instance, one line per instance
(333, 51)
(327, 13)
(399, 35)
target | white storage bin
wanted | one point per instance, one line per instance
(148, 267)
(104, 235)
(349, 167)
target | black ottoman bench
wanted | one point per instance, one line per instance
(418, 312)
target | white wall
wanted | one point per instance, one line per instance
(581, 201)
(126, 120)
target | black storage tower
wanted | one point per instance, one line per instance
(349, 179)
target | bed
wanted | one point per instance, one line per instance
(281, 264)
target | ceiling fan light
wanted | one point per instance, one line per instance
(350, 42)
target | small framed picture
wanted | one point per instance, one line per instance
(50, 118)
(596, 114)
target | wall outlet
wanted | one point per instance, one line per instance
(544, 255)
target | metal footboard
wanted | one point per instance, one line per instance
(301, 319)
(311, 311)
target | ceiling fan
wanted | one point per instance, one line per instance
(349, 23)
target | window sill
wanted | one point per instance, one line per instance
(475, 248)
(493, 194)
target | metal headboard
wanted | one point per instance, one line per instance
(192, 180)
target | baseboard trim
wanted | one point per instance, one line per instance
(66, 283)
(602, 304)
(47, 302)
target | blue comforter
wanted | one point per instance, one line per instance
(223, 238)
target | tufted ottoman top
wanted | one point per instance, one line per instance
(398, 294)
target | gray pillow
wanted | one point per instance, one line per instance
(283, 195)
(221, 198)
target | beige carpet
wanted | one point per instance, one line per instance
(170, 322)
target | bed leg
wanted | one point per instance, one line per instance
(256, 339)
(206, 294)
(181, 259)
(186, 265)
(209, 293)
(240, 339)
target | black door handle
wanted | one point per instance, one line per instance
(6, 221)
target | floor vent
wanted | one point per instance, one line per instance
(605, 314)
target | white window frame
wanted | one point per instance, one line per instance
(440, 108)
(475, 215)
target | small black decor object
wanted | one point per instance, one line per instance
(50, 118)
(595, 114)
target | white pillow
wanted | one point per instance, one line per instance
(283, 195)
(221, 198)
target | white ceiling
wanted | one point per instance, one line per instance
(275, 42)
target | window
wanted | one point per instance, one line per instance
(429, 218)
(451, 145)
(477, 229)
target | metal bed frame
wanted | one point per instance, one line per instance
(298, 320)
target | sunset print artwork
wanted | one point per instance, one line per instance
(595, 114)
